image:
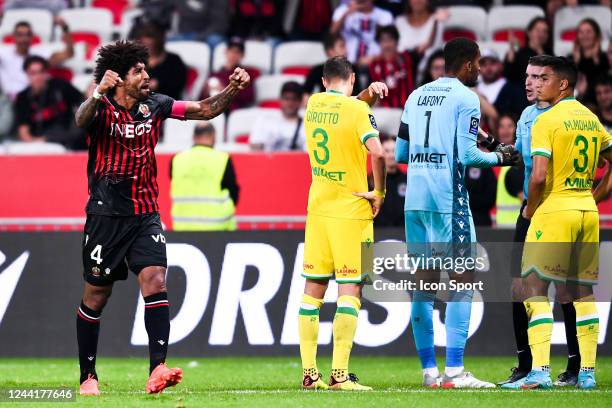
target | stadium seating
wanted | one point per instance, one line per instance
(240, 122)
(257, 55)
(465, 21)
(127, 21)
(388, 120)
(196, 55)
(268, 87)
(91, 26)
(178, 134)
(500, 47)
(40, 20)
(116, 7)
(510, 18)
(82, 81)
(296, 57)
(567, 20)
(21, 148)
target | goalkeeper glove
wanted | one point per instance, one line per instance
(487, 141)
(507, 155)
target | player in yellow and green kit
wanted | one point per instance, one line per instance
(340, 131)
(563, 238)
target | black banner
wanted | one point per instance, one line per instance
(231, 293)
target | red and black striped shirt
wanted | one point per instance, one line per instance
(121, 171)
(399, 74)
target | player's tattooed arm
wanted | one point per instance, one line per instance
(87, 111)
(374, 92)
(215, 105)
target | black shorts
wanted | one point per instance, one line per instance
(520, 233)
(112, 245)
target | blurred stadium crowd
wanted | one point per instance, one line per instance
(49, 46)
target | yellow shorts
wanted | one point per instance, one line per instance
(332, 247)
(563, 246)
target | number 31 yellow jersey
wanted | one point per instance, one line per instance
(572, 137)
(337, 127)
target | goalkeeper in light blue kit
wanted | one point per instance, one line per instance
(437, 139)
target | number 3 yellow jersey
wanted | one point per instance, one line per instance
(572, 137)
(337, 127)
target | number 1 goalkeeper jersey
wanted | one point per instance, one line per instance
(572, 137)
(337, 127)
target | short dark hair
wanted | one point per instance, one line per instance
(204, 129)
(564, 68)
(605, 80)
(152, 30)
(35, 59)
(389, 30)
(23, 23)
(236, 42)
(120, 57)
(292, 87)
(535, 21)
(542, 60)
(457, 52)
(330, 40)
(337, 67)
(594, 25)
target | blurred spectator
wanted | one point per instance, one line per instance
(203, 185)
(506, 96)
(482, 188)
(392, 213)
(397, 70)
(506, 129)
(259, 19)
(334, 46)
(510, 179)
(285, 133)
(603, 95)
(434, 68)
(419, 27)
(45, 109)
(537, 43)
(310, 19)
(6, 116)
(156, 11)
(54, 6)
(357, 21)
(591, 61)
(220, 79)
(167, 71)
(395, 7)
(12, 77)
(203, 20)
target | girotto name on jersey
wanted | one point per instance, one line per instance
(131, 130)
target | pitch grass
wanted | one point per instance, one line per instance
(274, 382)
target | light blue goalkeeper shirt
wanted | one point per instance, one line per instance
(437, 140)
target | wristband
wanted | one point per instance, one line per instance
(380, 194)
(97, 95)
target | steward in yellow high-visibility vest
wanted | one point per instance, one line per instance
(508, 205)
(203, 188)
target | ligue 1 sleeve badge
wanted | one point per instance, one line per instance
(144, 110)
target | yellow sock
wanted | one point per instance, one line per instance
(309, 333)
(539, 330)
(345, 325)
(587, 330)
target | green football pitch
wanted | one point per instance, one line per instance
(274, 382)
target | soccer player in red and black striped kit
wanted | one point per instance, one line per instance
(123, 230)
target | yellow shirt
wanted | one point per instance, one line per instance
(337, 127)
(572, 137)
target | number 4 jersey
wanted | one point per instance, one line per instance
(572, 137)
(337, 127)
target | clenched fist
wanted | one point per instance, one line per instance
(240, 79)
(110, 80)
